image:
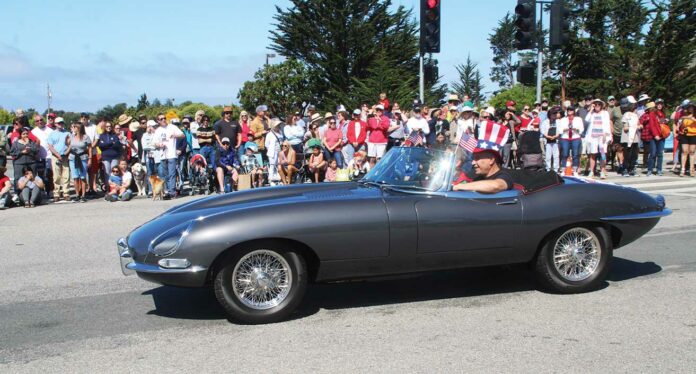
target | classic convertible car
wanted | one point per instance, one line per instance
(259, 248)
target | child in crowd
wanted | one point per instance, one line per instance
(250, 163)
(331, 171)
(317, 164)
(115, 182)
(358, 166)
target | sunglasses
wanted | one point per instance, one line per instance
(161, 119)
(225, 143)
(526, 109)
(226, 112)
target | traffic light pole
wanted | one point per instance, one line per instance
(540, 54)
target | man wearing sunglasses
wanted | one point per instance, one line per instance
(226, 127)
(165, 141)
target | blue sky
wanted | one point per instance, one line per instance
(96, 53)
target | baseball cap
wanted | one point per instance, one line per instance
(59, 119)
(51, 115)
(151, 123)
(225, 140)
(261, 108)
(357, 112)
(380, 107)
(510, 103)
(611, 97)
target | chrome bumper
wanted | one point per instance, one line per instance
(130, 267)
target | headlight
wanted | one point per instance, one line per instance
(168, 242)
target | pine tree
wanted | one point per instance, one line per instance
(142, 103)
(671, 52)
(469, 81)
(340, 41)
(503, 46)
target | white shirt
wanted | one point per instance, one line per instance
(126, 179)
(194, 131)
(166, 135)
(42, 135)
(91, 131)
(415, 124)
(577, 125)
(599, 125)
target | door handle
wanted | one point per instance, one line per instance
(508, 202)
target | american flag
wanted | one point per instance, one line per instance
(468, 142)
(415, 138)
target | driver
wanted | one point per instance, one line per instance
(490, 176)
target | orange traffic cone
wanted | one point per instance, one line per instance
(568, 171)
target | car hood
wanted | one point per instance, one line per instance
(274, 195)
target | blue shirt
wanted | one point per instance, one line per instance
(58, 139)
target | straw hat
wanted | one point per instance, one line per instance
(328, 115)
(275, 122)
(124, 119)
(315, 118)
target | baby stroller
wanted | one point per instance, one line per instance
(200, 177)
(529, 151)
(303, 174)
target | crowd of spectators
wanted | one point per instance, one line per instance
(82, 160)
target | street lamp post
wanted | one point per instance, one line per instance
(269, 55)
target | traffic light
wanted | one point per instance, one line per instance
(559, 25)
(431, 72)
(430, 26)
(525, 23)
(525, 74)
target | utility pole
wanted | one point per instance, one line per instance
(421, 79)
(49, 96)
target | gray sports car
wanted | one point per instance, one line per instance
(259, 248)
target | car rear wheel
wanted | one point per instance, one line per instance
(574, 259)
(261, 285)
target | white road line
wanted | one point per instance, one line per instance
(661, 184)
(674, 190)
(668, 233)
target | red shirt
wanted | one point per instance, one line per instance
(333, 136)
(651, 126)
(385, 103)
(351, 132)
(4, 179)
(15, 135)
(245, 131)
(378, 129)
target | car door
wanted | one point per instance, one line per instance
(478, 229)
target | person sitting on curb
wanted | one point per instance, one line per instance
(5, 188)
(31, 188)
(120, 181)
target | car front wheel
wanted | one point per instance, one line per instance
(575, 259)
(261, 285)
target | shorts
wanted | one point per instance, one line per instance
(616, 139)
(78, 169)
(376, 149)
(690, 140)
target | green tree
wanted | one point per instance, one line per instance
(5, 117)
(383, 77)
(340, 42)
(142, 103)
(522, 95)
(282, 87)
(503, 46)
(111, 113)
(469, 82)
(671, 52)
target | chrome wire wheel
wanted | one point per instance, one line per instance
(576, 254)
(262, 279)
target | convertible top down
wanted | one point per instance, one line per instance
(259, 248)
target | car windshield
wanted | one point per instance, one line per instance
(412, 168)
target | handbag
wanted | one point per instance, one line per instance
(665, 131)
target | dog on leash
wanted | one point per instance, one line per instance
(139, 174)
(157, 187)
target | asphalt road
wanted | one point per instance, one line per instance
(66, 307)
